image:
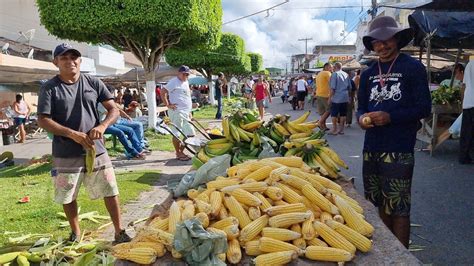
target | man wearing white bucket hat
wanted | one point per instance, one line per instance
(393, 97)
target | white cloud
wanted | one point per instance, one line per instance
(275, 34)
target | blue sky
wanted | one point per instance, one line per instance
(275, 34)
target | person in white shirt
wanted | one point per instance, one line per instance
(143, 98)
(301, 87)
(466, 140)
(176, 95)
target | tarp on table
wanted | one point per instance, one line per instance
(440, 5)
(451, 29)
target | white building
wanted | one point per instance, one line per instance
(20, 21)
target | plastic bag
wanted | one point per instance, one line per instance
(215, 167)
(198, 246)
(267, 149)
(455, 128)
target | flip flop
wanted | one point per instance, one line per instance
(341, 133)
(332, 133)
(183, 158)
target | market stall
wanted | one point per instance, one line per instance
(447, 34)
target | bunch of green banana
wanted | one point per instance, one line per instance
(212, 149)
(321, 158)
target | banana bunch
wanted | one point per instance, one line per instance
(212, 149)
(281, 128)
(323, 159)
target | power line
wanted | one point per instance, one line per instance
(253, 14)
(319, 7)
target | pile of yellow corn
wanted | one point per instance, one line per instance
(275, 209)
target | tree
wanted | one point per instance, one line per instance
(147, 28)
(256, 61)
(229, 56)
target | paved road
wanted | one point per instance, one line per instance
(442, 201)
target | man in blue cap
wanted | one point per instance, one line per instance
(67, 107)
(393, 97)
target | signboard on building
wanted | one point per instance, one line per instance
(331, 58)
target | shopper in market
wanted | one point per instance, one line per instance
(466, 140)
(67, 107)
(322, 94)
(301, 91)
(22, 111)
(393, 96)
(261, 91)
(219, 87)
(339, 97)
(176, 95)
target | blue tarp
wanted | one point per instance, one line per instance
(439, 5)
(451, 29)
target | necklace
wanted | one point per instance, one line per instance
(381, 79)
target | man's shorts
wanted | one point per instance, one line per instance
(300, 95)
(387, 181)
(19, 121)
(322, 104)
(338, 109)
(180, 119)
(69, 173)
(260, 103)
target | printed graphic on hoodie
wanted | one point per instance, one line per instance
(387, 92)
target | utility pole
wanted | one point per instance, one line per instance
(306, 43)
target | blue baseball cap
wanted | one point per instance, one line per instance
(184, 69)
(63, 48)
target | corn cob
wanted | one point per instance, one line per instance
(222, 257)
(243, 172)
(202, 206)
(254, 213)
(327, 254)
(275, 258)
(315, 183)
(232, 231)
(158, 247)
(203, 219)
(292, 161)
(245, 197)
(253, 229)
(338, 218)
(252, 248)
(310, 205)
(223, 213)
(156, 235)
(192, 193)
(280, 202)
(316, 242)
(249, 186)
(275, 174)
(180, 202)
(188, 211)
(280, 234)
(359, 241)
(295, 207)
(219, 184)
(260, 174)
(233, 254)
(300, 243)
(353, 203)
(231, 220)
(247, 181)
(287, 219)
(217, 231)
(274, 193)
(159, 223)
(237, 211)
(352, 218)
(203, 197)
(294, 181)
(322, 180)
(174, 217)
(265, 203)
(216, 203)
(175, 254)
(307, 229)
(314, 196)
(289, 195)
(272, 245)
(232, 171)
(333, 238)
(263, 163)
(325, 216)
(138, 255)
(296, 228)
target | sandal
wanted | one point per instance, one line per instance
(183, 158)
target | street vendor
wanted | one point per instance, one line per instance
(67, 107)
(467, 125)
(176, 95)
(393, 96)
(458, 77)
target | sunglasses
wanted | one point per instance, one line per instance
(378, 43)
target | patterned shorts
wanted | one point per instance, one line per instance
(387, 181)
(69, 173)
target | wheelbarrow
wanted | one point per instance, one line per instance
(191, 144)
(199, 127)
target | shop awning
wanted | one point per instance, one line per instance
(439, 5)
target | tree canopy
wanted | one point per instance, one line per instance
(256, 61)
(228, 57)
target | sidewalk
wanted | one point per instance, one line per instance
(33, 147)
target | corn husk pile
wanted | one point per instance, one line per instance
(275, 209)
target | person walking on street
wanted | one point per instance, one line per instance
(393, 96)
(322, 94)
(350, 105)
(67, 107)
(339, 98)
(260, 90)
(220, 82)
(301, 90)
(176, 95)
(22, 112)
(466, 140)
